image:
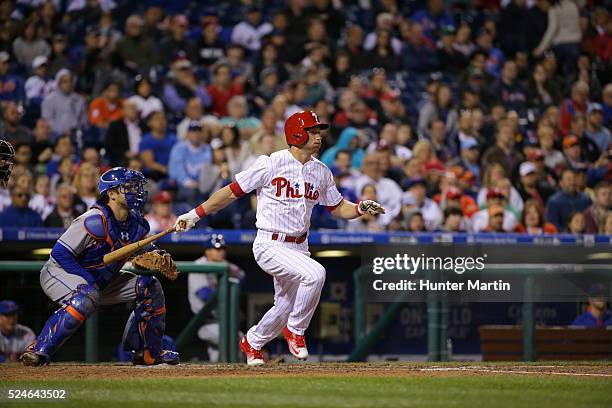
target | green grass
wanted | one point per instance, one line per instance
(467, 390)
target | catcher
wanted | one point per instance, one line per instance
(76, 278)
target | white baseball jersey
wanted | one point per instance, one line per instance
(287, 190)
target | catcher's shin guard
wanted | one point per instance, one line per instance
(62, 324)
(146, 325)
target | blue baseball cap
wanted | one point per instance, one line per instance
(8, 307)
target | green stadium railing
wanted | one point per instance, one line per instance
(225, 299)
(437, 312)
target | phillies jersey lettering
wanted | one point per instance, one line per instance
(287, 191)
(285, 188)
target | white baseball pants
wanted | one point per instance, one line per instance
(298, 282)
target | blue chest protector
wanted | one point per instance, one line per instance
(109, 235)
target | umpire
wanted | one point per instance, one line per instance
(201, 286)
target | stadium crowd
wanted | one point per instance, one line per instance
(456, 116)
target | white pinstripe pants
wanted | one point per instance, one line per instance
(298, 282)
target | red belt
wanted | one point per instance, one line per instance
(297, 240)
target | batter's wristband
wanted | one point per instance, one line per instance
(200, 211)
(359, 214)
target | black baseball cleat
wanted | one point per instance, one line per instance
(32, 358)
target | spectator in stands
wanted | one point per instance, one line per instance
(595, 129)
(590, 151)
(58, 59)
(415, 199)
(553, 158)
(494, 57)
(354, 47)
(565, 202)
(86, 183)
(528, 187)
(541, 91)
(453, 220)
(187, 158)
(135, 50)
(468, 157)
(155, 147)
(387, 190)
(106, 108)
(23, 155)
(606, 225)
(503, 153)
(39, 85)
(63, 108)
(144, 99)
(418, 52)
(382, 54)
(350, 139)
(249, 32)
(14, 337)
(194, 111)
(222, 89)
(160, 217)
(450, 58)
(241, 69)
(496, 219)
(210, 48)
(562, 34)
(576, 104)
(269, 59)
(92, 156)
(440, 108)
(595, 214)
(182, 86)
(511, 93)
(596, 314)
(11, 128)
(11, 86)
(18, 214)
(42, 149)
(235, 148)
(576, 223)
(384, 22)
(176, 41)
(28, 45)
(42, 201)
(494, 198)
(433, 19)
(533, 222)
(64, 172)
(238, 116)
(124, 135)
(67, 207)
(572, 153)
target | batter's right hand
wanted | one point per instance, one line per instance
(186, 221)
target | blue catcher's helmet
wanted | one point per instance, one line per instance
(130, 182)
(217, 241)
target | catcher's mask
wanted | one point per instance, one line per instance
(129, 182)
(7, 160)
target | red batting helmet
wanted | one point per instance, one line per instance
(296, 125)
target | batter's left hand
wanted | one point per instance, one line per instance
(370, 207)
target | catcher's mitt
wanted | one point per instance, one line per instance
(157, 260)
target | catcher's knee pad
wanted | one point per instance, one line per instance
(81, 304)
(146, 325)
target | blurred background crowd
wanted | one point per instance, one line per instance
(456, 116)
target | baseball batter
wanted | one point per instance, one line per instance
(288, 183)
(76, 278)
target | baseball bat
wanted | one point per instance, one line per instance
(128, 250)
